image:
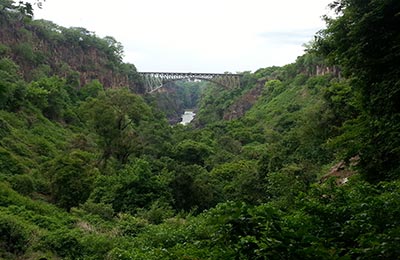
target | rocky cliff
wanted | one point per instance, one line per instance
(42, 48)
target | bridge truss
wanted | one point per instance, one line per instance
(156, 80)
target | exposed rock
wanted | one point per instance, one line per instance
(239, 108)
(323, 70)
(341, 171)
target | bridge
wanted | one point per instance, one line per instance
(156, 80)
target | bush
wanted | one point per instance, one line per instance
(4, 49)
(192, 152)
(14, 237)
(119, 254)
(9, 164)
(65, 243)
(105, 211)
(71, 179)
(22, 184)
(90, 90)
(157, 213)
(25, 51)
(129, 225)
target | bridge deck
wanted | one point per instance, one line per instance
(155, 80)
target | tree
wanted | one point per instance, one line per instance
(192, 188)
(137, 187)
(24, 8)
(364, 40)
(72, 177)
(115, 116)
(91, 90)
(8, 83)
(50, 95)
(115, 48)
(192, 152)
(5, 4)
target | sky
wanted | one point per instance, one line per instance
(212, 36)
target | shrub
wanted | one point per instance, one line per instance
(105, 211)
(9, 164)
(22, 184)
(14, 237)
(157, 213)
(64, 242)
(71, 179)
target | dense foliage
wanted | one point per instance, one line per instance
(300, 162)
(364, 40)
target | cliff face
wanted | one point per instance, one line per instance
(42, 48)
(168, 101)
(245, 102)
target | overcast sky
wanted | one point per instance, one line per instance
(197, 36)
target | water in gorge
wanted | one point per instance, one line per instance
(187, 117)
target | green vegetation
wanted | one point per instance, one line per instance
(301, 162)
(371, 61)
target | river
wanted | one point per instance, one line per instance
(187, 117)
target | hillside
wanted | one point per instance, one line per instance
(300, 162)
(42, 48)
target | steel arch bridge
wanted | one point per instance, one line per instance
(156, 80)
